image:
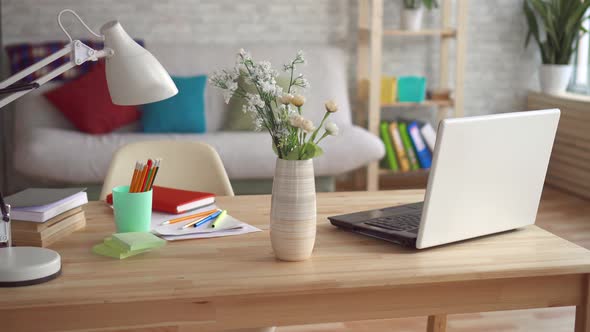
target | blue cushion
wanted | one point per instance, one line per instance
(183, 113)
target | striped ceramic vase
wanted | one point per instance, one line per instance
(293, 210)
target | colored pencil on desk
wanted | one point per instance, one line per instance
(219, 219)
(192, 216)
(199, 221)
(207, 219)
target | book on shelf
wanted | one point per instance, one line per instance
(389, 152)
(388, 90)
(422, 153)
(408, 144)
(429, 135)
(398, 145)
(407, 141)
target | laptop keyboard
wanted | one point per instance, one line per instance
(399, 223)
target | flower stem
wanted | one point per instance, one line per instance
(315, 133)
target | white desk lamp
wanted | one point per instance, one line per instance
(134, 77)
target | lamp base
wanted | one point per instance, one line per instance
(24, 266)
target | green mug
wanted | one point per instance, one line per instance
(133, 211)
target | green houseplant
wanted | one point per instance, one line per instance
(412, 13)
(556, 27)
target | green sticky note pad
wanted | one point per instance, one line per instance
(104, 250)
(136, 241)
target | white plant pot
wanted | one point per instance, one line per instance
(412, 19)
(293, 210)
(554, 78)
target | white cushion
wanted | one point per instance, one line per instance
(73, 157)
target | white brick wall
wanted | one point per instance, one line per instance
(498, 70)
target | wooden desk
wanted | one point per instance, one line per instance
(235, 282)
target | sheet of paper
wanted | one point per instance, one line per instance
(229, 226)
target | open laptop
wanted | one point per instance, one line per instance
(487, 177)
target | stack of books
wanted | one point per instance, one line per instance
(42, 216)
(408, 145)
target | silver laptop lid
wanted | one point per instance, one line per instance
(487, 175)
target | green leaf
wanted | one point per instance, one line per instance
(311, 150)
(561, 24)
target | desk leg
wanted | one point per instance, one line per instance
(583, 310)
(437, 323)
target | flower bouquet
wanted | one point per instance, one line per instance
(295, 140)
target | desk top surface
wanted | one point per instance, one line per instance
(244, 265)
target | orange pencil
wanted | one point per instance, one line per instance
(134, 177)
(192, 216)
(134, 181)
(139, 177)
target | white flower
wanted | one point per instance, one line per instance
(300, 57)
(226, 81)
(285, 98)
(253, 103)
(307, 125)
(245, 55)
(331, 106)
(331, 128)
(303, 82)
(298, 100)
(296, 121)
(269, 87)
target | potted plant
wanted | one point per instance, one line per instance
(556, 26)
(295, 140)
(412, 13)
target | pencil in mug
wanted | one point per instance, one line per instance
(156, 169)
(150, 176)
(137, 178)
(140, 180)
(143, 183)
(134, 177)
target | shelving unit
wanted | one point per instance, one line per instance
(370, 47)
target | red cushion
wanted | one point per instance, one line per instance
(87, 104)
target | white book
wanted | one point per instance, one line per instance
(43, 213)
(429, 136)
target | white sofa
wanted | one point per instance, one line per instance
(47, 146)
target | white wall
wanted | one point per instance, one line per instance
(498, 70)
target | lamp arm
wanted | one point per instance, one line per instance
(79, 19)
(80, 54)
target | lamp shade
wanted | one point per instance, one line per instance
(134, 76)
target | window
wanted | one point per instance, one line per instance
(581, 76)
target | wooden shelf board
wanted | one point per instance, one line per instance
(404, 180)
(439, 103)
(419, 172)
(444, 33)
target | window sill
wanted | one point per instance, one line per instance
(567, 97)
